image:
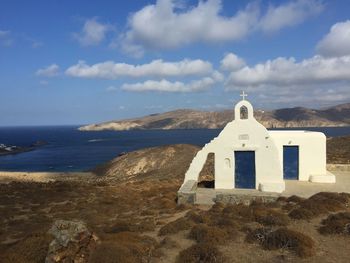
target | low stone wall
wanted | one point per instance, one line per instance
(187, 193)
(247, 199)
(338, 167)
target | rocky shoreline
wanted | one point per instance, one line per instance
(13, 149)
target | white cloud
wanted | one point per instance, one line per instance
(167, 86)
(156, 68)
(309, 95)
(50, 71)
(319, 80)
(93, 32)
(337, 41)
(231, 62)
(111, 88)
(177, 86)
(168, 25)
(5, 38)
(287, 72)
(289, 14)
(160, 26)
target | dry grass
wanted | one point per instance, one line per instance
(294, 199)
(196, 217)
(168, 243)
(110, 252)
(202, 252)
(320, 203)
(338, 150)
(32, 249)
(256, 212)
(208, 234)
(283, 238)
(336, 224)
(175, 226)
(130, 247)
(132, 225)
(301, 213)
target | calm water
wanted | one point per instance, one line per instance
(71, 150)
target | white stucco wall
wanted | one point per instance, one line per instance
(250, 135)
(312, 150)
(241, 135)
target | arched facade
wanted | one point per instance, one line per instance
(243, 135)
(249, 156)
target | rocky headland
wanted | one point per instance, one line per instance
(192, 119)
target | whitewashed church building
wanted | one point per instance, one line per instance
(248, 156)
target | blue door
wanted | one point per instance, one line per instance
(245, 169)
(291, 162)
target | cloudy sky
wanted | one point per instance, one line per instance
(76, 62)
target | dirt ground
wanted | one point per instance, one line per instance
(109, 208)
(137, 220)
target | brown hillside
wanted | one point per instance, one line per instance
(193, 119)
(163, 161)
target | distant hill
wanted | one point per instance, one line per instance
(193, 119)
(170, 161)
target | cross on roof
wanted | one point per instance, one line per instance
(243, 95)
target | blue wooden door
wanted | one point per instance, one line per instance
(245, 169)
(291, 162)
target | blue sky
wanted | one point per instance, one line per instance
(77, 62)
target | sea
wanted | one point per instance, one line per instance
(68, 149)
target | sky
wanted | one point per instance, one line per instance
(78, 62)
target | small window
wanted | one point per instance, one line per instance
(244, 113)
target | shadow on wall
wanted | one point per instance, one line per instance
(206, 177)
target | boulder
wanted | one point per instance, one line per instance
(72, 242)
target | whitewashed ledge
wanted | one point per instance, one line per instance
(338, 167)
(187, 193)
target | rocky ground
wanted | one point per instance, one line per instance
(129, 214)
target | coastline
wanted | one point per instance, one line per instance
(17, 151)
(44, 177)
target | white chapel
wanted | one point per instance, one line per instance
(248, 156)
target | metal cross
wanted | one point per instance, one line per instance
(243, 95)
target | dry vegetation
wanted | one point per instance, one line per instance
(137, 220)
(336, 224)
(338, 150)
(154, 229)
(283, 238)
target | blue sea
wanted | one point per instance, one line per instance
(68, 149)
